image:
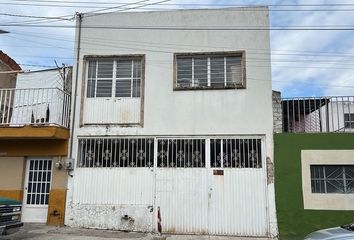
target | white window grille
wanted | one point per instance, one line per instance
(332, 178)
(114, 77)
(209, 71)
(171, 152)
(349, 120)
(39, 178)
(181, 153)
(116, 152)
(236, 153)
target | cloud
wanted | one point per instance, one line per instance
(305, 63)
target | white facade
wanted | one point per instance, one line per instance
(202, 200)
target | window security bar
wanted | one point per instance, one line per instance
(170, 152)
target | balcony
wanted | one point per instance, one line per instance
(317, 114)
(34, 113)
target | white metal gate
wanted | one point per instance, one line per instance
(200, 185)
(114, 184)
(212, 186)
(36, 191)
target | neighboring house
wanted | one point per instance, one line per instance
(314, 157)
(8, 71)
(173, 128)
(34, 133)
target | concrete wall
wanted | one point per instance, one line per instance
(293, 220)
(168, 112)
(12, 172)
(236, 111)
(57, 196)
(332, 201)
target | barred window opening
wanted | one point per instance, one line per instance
(332, 178)
(209, 71)
(116, 152)
(170, 153)
(181, 153)
(235, 153)
(126, 82)
(349, 120)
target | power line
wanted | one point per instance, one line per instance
(200, 28)
(89, 14)
(194, 4)
(160, 45)
(121, 46)
(31, 16)
(249, 79)
(120, 6)
(37, 65)
(272, 6)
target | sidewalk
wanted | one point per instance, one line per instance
(43, 232)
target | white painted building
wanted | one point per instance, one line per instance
(173, 117)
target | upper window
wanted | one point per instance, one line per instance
(209, 71)
(114, 77)
(349, 120)
(332, 178)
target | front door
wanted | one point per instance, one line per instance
(36, 190)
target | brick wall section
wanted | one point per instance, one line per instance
(277, 112)
(8, 64)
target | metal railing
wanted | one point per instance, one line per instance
(318, 114)
(34, 106)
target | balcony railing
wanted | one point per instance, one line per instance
(34, 106)
(318, 114)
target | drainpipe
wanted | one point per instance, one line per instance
(70, 161)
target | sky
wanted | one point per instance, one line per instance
(304, 62)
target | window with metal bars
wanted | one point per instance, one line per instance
(114, 77)
(209, 71)
(236, 153)
(181, 153)
(116, 152)
(332, 178)
(349, 120)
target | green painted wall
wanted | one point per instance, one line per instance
(294, 222)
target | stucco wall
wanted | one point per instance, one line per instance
(12, 170)
(57, 196)
(236, 111)
(178, 113)
(11, 173)
(293, 220)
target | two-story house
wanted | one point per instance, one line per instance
(172, 123)
(34, 134)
